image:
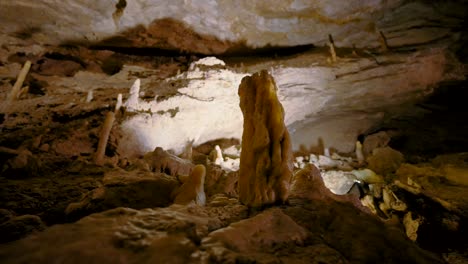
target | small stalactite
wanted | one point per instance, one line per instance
(119, 9)
(331, 45)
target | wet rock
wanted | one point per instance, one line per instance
(384, 161)
(20, 226)
(134, 189)
(266, 159)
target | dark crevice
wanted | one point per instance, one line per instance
(268, 51)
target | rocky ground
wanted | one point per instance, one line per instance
(57, 204)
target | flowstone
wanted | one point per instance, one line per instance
(266, 160)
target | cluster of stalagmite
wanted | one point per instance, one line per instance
(266, 160)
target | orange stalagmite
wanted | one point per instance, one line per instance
(266, 160)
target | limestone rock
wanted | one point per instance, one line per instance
(219, 181)
(134, 189)
(368, 176)
(372, 240)
(48, 66)
(304, 178)
(20, 226)
(308, 184)
(162, 161)
(266, 160)
(124, 235)
(411, 226)
(373, 141)
(385, 160)
(359, 153)
(193, 189)
(25, 164)
(339, 182)
(261, 233)
(326, 163)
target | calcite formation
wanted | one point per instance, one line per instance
(266, 160)
(193, 189)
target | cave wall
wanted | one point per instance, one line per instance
(222, 25)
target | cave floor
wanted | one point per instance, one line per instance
(50, 135)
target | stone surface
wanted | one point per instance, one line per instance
(308, 184)
(373, 141)
(135, 189)
(339, 182)
(166, 234)
(164, 162)
(266, 161)
(385, 161)
(262, 233)
(316, 97)
(19, 227)
(212, 27)
(193, 189)
(373, 241)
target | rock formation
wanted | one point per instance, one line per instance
(266, 160)
(193, 189)
(162, 161)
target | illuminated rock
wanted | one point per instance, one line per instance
(162, 161)
(193, 188)
(266, 160)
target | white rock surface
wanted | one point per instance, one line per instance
(338, 182)
(335, 104)
(259, 23)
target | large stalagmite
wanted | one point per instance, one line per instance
(266, 158)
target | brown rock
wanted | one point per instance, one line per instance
(134, 189)
(193, 189)
(385, 160)
(162, 161)
(219, 181)
(266, 160)
(223, 143)
(20, 226)
(58, 67)
(373, 141)
(25, 164)
(262, 233)
(308, 184)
